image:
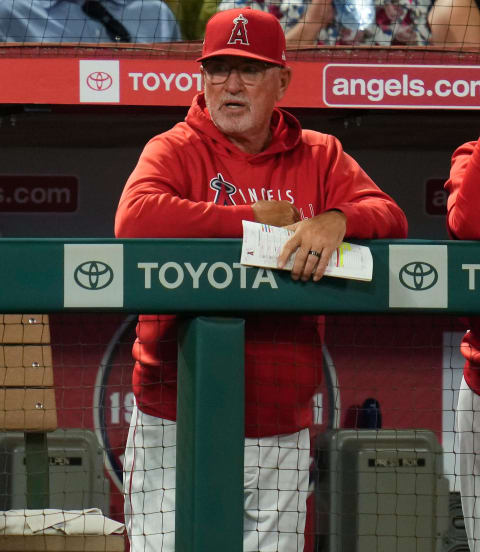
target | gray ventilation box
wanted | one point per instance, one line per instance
(380, 491)
(77, 477)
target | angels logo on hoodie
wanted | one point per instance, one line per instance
(239, 32)
(224, 190)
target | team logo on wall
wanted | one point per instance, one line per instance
(113, 399)
(418, 276)
(99, 81)
(436, 196)
(93, 275)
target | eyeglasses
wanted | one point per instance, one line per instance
(250, 72)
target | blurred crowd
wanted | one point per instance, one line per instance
(449, 23)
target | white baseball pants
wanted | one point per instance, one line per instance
(467, 460)
(276, 488)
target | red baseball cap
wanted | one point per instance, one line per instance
(247, 33)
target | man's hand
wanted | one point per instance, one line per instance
(275, 213)
(322, 235)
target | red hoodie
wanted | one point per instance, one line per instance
(464, 224)
(191, 181)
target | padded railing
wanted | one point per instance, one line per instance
(204, 280)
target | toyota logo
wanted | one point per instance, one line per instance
(418, 276)
(99, 81)
(93, 275)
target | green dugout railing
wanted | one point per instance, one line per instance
(204, 280)
(205, 276)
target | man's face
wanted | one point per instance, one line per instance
(242, 105)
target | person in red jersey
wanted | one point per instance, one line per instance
(464, 224)
(239, 157)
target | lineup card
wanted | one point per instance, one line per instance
(262, 244)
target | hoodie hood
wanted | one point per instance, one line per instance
(286, 132)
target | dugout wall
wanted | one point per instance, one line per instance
(226, 288)
(61, 147)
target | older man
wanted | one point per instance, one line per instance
(92, 21)
(238, 157)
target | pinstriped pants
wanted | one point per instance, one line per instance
(276, 488)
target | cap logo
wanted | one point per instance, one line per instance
(239, 32)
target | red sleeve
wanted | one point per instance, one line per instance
(153, 203)
(370, 212)
(463, 187)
